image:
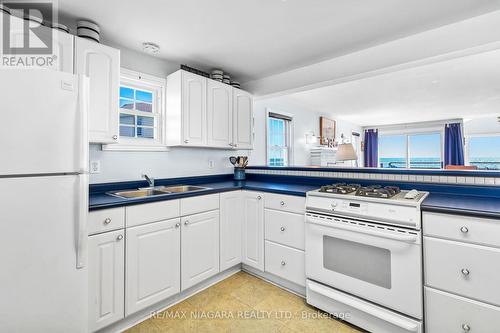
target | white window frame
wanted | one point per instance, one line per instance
(289, 136)
(410, 132)
(140, 81)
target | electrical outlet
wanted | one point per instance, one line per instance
(211, 164)
(95, 166)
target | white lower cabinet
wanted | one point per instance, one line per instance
(286, 262)
(106, 273)
(450, 313)
(199, 248)
(230, 229)
(152, 264)
(252, 218)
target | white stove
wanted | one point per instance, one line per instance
(364, 255)
(400, 209)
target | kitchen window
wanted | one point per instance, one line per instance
(414, 151)
(481, 153)
(279, 129)
(142, 110)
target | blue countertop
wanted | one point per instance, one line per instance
(477, 201)
(471, 205)
(101, 200)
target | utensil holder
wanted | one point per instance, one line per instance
(239, 173)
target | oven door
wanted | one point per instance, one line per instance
(379, 263)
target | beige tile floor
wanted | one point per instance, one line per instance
(242, 303)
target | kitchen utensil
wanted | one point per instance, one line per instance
(233, 160)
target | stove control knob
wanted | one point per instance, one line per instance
(464, 229)
(466, 327)
(334, 204)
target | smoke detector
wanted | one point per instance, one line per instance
(151, 48)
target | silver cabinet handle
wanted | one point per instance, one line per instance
(120, 237)
(283, 263)
(231, 145)
(282, 203)
(115, 137)
(465, 271)
(186, 141)
(259, 197)
(186, 222)
(107, 220)
(282, 228)
(466, 327)
(464, 229)
(235, 145)
(177, 225)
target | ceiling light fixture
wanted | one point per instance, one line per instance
(151, 48)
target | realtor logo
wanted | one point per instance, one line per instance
(23, 37)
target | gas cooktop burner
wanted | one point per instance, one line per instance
(377, 191)
(340, 188)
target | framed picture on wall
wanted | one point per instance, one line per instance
(327, 129)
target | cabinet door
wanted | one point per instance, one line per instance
(194, 109)
(102, 65)
(200, 248)
(231, 205)
(106, 278)
(252, 216)
(219, 114)
(242, 119)
(61, 58)
(152, 264)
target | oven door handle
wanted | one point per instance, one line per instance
(390, 318)
(402, 238)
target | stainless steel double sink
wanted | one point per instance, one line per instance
(155, 191)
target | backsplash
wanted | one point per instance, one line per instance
(386, 176)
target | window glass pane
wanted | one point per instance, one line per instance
(126, 104)
(484, 152)
(127, 119)
(425, 151)
(144, 107)
(127, 131)
(126, 92)
(145, 132)
(144, 96)
(145, 121)
(392, 151)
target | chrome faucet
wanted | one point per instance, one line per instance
(151, 181)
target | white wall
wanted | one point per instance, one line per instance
(305, 121)
(178, 162)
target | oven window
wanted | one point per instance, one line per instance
(363, 262)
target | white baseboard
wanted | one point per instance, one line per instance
(276, 280)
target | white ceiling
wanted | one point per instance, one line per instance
(252, 39)
(467, 87)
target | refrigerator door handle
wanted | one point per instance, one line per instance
(83, 102)
(82, 198)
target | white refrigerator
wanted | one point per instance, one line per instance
(43, 201)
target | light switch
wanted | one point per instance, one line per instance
(211, 164)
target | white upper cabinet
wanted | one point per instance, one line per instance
(252, 216)
(220, 114)
(230, 229)
(199, 248)
(242, 119)
(102, 65)
(152, 264)
(206, 113)
(106, 278)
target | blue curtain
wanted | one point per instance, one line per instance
(453, 145)
(371, 148)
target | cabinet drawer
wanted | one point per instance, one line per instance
(285, 228)
(287, 203)
(199, 204)
(152, 212)
(466, 269)
(451, 313)
(106, 220)
(285, 262)
(462, 228)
